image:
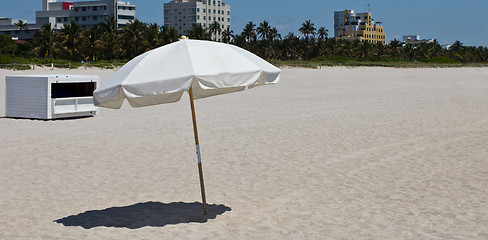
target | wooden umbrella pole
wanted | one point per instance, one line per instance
(197, 144)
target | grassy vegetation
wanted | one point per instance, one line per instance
(20, 63)
(354, 62)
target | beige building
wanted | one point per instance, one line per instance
(183, 14)
(349, 25)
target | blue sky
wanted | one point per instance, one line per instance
(445, 20)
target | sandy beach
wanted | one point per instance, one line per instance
(331, 153)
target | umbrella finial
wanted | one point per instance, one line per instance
(183, 37)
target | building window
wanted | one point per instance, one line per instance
(95, 8)
(126, 17)
(77, 9)
(228, 12)
(7, 32)
(65, 19)
(166, 11)
(77, 19)
(59, 19)
(198, 9)
(83, 9)
(218, 11)
(228, 19)
(95, 18)
(204, 10)
(204, 18)
(215, 19)
(214, 11)
(105, 8)
(214, 3)
(198, 17)
(83, 18)
(223, 4)
(166, 18)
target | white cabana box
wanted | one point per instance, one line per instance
(50, 96)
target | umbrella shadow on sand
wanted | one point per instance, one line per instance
(149, 214)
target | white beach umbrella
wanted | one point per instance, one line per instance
(203, 68)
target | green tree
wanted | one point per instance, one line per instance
(21, 25)
(198, 32)
(169, 34)
(92, 43)
(44, 42)
(132, 34)
(264, 30)
(70, 37)
(323, 33)
(274, 34)
(7, 46)
(227, 35)
(214, 30)
(307, 28)
(152, 38)
(249, 32)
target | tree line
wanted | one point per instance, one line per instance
(106, 42)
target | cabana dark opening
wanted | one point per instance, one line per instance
(69, 90)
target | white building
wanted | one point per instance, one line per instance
(415, 41)
(183, 14)
(411, 38)
(7, 27)
(85, 13)
(60, 12)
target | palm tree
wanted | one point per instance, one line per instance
(109, 38)
(109, 25)
(169, 34)
(307, 28)
(214, 29)
(70, 36)
(44, 42)
(21, 25)
(227, 35)
(132, 33)
(91, 42)
(264, 30)
(274, 35)
(323, 33)
(152, 36)
(198, 32)
(249, 32)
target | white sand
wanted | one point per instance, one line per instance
(337, 153)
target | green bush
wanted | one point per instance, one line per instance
(439, 59)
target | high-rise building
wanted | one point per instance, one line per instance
(60, 12)
(349, 25)
(85, 13)
(183, 14)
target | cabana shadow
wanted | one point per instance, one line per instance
(149, 214)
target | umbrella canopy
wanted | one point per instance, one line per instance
(202, 68)
(163, 74)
